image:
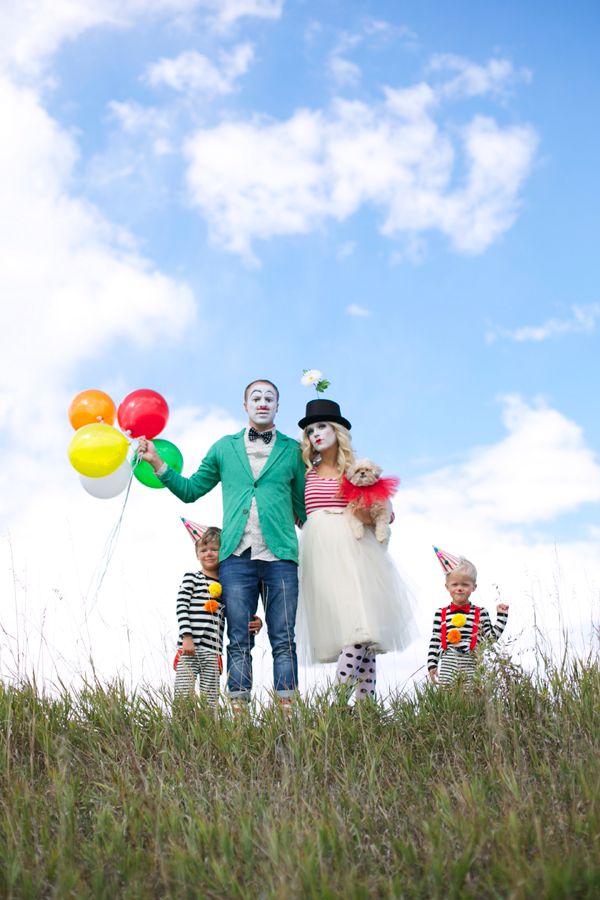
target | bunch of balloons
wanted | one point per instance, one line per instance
(99, 451)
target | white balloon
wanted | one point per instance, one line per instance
(108, 485)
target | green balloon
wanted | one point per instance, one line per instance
(169, 453)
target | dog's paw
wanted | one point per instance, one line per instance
(382, 531)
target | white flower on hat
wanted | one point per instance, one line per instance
(312, 377)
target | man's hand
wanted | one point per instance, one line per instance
(433, 675)
(146, 450)
(502, 607)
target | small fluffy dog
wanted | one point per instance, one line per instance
(364, 488)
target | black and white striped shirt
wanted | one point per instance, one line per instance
(486, 631)
(206, 628)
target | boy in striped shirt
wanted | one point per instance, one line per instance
(458, 627)
(201, 619)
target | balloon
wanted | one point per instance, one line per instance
(169, 453)
(97, 450)
(143, 412)
(91, 406)
(109, 485)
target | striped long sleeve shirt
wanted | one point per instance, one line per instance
(486, 631)
(206, 628)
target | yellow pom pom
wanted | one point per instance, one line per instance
(454, 636)
(214, 589)
(459, 619)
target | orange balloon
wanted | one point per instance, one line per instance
(91, 407)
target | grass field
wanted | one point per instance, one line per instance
(491, 792)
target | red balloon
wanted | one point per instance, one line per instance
(143, 413)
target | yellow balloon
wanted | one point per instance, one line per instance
(97, 450)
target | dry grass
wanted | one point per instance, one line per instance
(490, 792)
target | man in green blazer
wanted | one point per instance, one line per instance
(262, 479)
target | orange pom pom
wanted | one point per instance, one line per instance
(211, 606)
(454, 636)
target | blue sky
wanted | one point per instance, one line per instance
(402, 195)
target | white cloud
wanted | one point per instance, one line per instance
(192, 72)
(344, 71)
(30, 33)
(372, 33)
(583, 321)
(254, 180)
(542, 469)
(134, 118)
(228, 12)
(495, 77)
(75, 282)
(360, 312)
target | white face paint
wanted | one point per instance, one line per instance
(322, 436)
(261, 405)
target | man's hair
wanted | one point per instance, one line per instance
(212, 535)
(260, 381)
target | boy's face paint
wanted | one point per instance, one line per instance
(322, 436)
(261, 405)
(208, 557)
(460, 588)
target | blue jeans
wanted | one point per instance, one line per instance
(243, 579)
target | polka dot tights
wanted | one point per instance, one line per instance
(356, 666)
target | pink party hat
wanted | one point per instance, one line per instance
(447, 561)
(194, 530)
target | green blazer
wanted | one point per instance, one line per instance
(279, 491)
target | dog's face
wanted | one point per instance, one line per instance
(363, 472)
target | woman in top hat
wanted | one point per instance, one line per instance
(353, 602)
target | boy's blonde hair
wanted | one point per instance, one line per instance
(345, 454)
(465, 568)
(212, 535)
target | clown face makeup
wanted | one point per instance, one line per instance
(322, 436)
(261, 405)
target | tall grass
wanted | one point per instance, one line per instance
(488, 792)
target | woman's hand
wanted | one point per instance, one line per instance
(146, 450)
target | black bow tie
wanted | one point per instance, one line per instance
(254, 435)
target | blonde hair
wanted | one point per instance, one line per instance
(212, 535)
(465, 568)
(345, 455)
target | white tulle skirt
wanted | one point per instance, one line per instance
(350, 591)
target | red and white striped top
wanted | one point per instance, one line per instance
(321, 492)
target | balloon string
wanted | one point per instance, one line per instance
(111, 542)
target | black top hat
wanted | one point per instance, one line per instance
(322, 410)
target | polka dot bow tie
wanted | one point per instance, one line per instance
(254, 435)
